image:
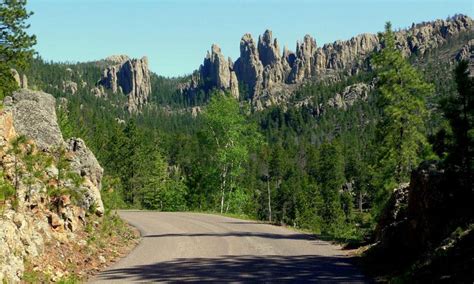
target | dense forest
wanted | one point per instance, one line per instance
(305, 162)
(330, 172)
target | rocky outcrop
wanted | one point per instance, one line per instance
(33, 114)
(38, 217)
(117, 59)
(345, 56)
(275, 68)
(467, 53)
(394, 212)
(342, 100)
(130, 77)
(264, 73)
(86, 165)
(350, 95)
(217, 72)
(249, 68)
(20, 237)
(303, 65)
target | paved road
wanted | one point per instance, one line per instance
(190, 247)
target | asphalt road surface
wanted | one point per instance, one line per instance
(191, 247)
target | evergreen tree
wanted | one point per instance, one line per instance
(155, 182)
(330, 170)
(15, 43)
(401, 93)
(459, 110)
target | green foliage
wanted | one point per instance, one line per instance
(67, 128)
(67, 181)
(323, 169)
(15, 43)
(228, 138)
(330, 170)
(401, 95)
(459, 111)
(112, 194)
(6, 192)
(16, 149)
(6, 189)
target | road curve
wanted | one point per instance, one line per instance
(192, 247)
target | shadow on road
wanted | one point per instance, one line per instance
(244, 269)
(306, 237)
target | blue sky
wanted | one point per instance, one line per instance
(175, 34)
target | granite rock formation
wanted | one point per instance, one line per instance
(467, 53)
(33, 114)
(130, 77)
(84, 163)
(37, 218)
(217, 72)
(249, 68)
(265, 73)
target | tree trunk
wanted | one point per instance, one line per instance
(224, 174)
(269, 201)
(360, 201)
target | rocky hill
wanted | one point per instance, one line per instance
(56, 183)
(265, 72)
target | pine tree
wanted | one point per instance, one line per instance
(459, 110)
(330, 169)
(401, 93)
(15, 43)
(155, 182)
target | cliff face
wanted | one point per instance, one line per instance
(265, 72)
(130, 77)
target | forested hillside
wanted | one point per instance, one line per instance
(313, 162)
(366, 141)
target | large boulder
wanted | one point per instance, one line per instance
(86, 165)
(34, 116)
